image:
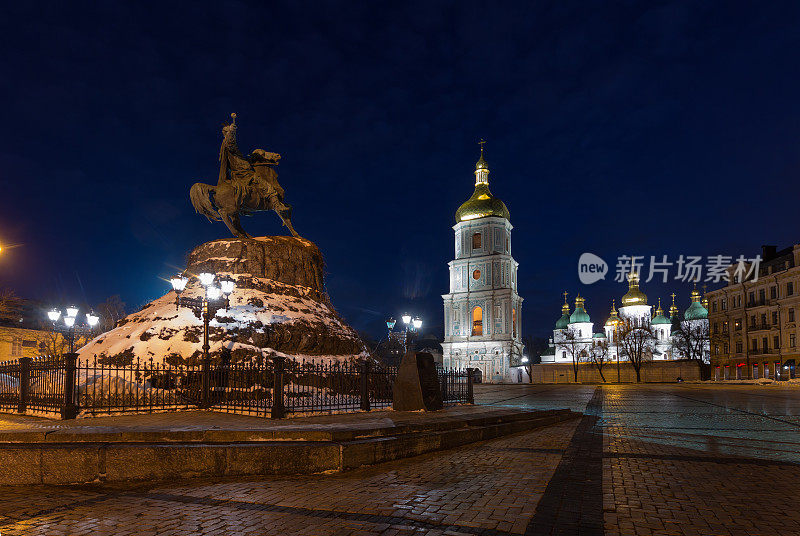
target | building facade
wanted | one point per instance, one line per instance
(483, 310)
(574, 332)
(754, 327)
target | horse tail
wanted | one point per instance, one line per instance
(200, 195)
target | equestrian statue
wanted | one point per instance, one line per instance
(245, 185)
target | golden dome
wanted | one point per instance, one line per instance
(634, 296)
(482, 204)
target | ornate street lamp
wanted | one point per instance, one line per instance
(71, 325)
(204, 308)
(412, 325)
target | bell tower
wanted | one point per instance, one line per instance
(483, 311)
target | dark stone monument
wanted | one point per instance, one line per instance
(417, 384)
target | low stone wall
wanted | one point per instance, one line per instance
(652, 371)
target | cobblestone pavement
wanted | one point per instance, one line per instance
(644, 460)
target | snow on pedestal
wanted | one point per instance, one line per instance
(278, 305)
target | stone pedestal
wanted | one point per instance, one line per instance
(294, 261)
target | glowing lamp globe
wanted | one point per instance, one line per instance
(417, 323)
(406, 318)
(178, 283)
(213, 293)
(69, 321)
(72, 311)
(226, 286)
(92, 319)
(54, 315)
(390, 324)
(206, 279)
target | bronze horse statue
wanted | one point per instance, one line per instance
(245, 185)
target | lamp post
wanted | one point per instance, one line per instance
(412, 325)
(205, 308)
(70, 324)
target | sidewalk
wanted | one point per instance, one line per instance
(204, 443)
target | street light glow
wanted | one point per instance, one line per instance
(69, 321)
(406, 318)
(54, 315)
(92, 319)
(206, 279)
(213, 293)
(72, 311)
(417, 323)
(226, 286)
(178, 283)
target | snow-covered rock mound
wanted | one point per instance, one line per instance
(266, 314)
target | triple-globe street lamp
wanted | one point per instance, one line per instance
(71, 324)
(412, 325)
(217, 291)
(216, 297)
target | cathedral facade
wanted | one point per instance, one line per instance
(483, 310)
(574, 331)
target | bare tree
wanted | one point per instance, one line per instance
(111, 311)
(570, 342)
(598, 355)
(637, 342)
(10, 304)
(692, 339)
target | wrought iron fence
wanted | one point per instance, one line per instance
(9, 385)
(272, 388)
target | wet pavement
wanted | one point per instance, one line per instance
(648, 460)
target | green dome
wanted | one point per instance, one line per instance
(563, 322)
(661, 319)
(599, 336)
(579, 315)
(696, 311)
(482, 204)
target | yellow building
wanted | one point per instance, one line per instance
(754, 324)
(25, 342)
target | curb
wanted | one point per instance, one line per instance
(80, 458)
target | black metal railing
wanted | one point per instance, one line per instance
(274, 387)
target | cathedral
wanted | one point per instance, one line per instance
(482, 311)
(578, 327)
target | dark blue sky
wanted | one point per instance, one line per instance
(643, 128)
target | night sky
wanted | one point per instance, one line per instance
(616, 128)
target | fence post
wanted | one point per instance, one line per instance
(278, 409)
(470, 381)
(205, 395)
(443, 384)
(24, 383)
(69, 410)
(365, 370)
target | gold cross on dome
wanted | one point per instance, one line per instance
(565, 296)
(481, 144)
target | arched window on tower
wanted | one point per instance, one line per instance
(477, 321)
(476, 241)
(514, 322)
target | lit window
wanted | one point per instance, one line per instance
(477, 321)
(514, 323)
(476, 241)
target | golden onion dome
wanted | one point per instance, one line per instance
(482, 204)
(634, 296)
